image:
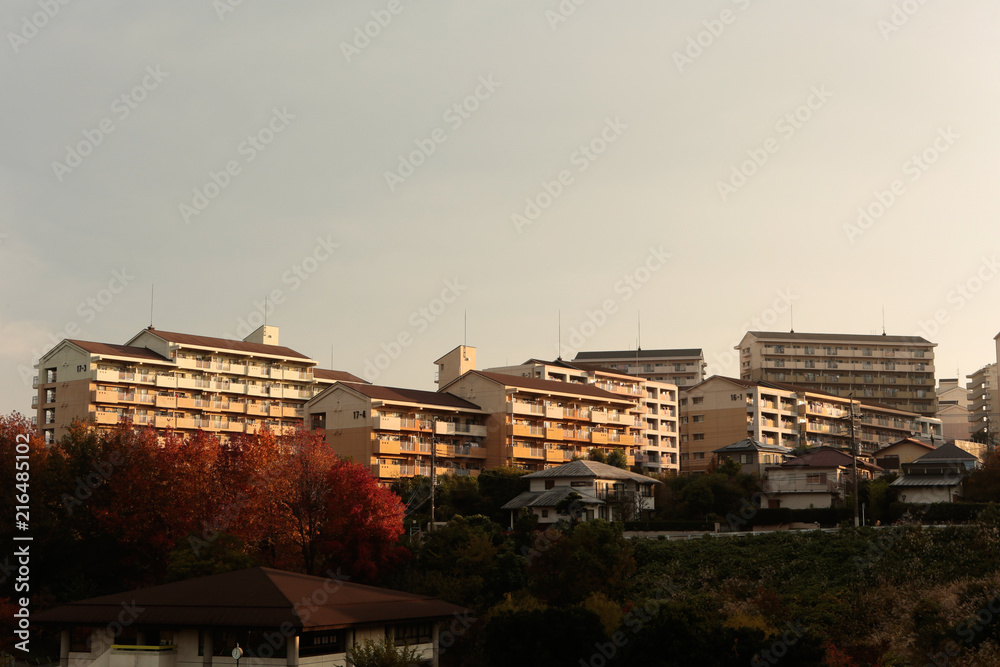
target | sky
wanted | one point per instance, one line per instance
(388, 179)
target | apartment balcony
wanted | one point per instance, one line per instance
(387, 447)
(527, 430)
(256, 371)
(384, 423)
(553, 434)
(34, 382)
(620, 418)
(34, 401)
(236, 406)
(385, 471)
(555, 456)
(187, 383)
(276, 374)
(800, 486)
(598, 438)
(102, 417)
(160, 421)
(166, 381)
(553, 412)
(166, 401)
(450, 428)
(256, 390)
(520, 452)
(105, 375)
(256, 409)
(276, 392)
(470, 452)
(524, 408)
(599, 416)
(235, 388)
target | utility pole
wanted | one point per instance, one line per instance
(433, 469)
(854, 457)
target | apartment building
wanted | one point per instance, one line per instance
(894, 370)
(984, 401)
(181, 381)
(721, 411)
(536, 423)
(394, 429)
(681, 367)
(656, 407)
(953, 409)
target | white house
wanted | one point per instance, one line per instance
(605, 492)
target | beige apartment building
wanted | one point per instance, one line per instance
(681, 367)
(535, 423)
(655, 411)
(894, 370)
(953, 409)
(983, 401)
(721, 411)
(393, 429)
(180, 381)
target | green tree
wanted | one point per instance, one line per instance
(371, 653)
(497, 487)
(617, 459)
(598, 455)
(552, 637)
(590, 557)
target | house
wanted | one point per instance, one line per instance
(753, 456)
(605, 492)
(936, 477)
(891, 457)
(277, 618)
(819, 478)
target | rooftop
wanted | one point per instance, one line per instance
(592, 469)
(640, 354)
(871, 338)
(258, 597)
(224, 344)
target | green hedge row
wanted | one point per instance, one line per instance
(670, 525)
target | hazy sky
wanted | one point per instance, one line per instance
(384, 169)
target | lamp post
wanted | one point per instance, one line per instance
(433, 468)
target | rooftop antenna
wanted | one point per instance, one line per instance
(465, 328)
(559, 339)
(265, 310)
(331, 357)
(791, 317)
(151, 286)
(883, 320)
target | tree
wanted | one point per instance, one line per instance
(598, 455)
(363, 523)
(497, 487)
(983, 484)
(371, 653)
(617, 458)
(590, 557)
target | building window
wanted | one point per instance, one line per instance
(550, 483)
(833, 350)
(816, 478)
(697, 400)
(918, 353)
(684, 401)
(684, 419)
(545, 514)
(779, 349)
(866, 351)
(697, 419)
(809, 350)
(698, 455)
(698, 436)
(322, 643)
(810, 363)
(831, 364)
(410, 634)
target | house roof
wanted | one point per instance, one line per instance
(906, 441)
(553, 386)
(872, 338)
(402, 395)
(550, 498)
(749, 444)
(929, 480)
(336, 376)
(825, 457)
(724, 378)
(112, 350)
(258, 597)
(592, 469)
(947, 452)
(224, 344)
(641, 354)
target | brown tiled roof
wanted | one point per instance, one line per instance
(742, 383)
(847, 338)
(911, 441)
(111, 350)
(337, 376)
(258, 597)
(226, 344)
(642, 354)
(826, 458)
(554, 386)
(413, 396)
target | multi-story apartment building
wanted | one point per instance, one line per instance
(394, 429)
(894, 370)
(180, 381)
(535, 423)
(682, 367)
(722, 411)
(655, 409)
(953, 409)
(984, 402)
